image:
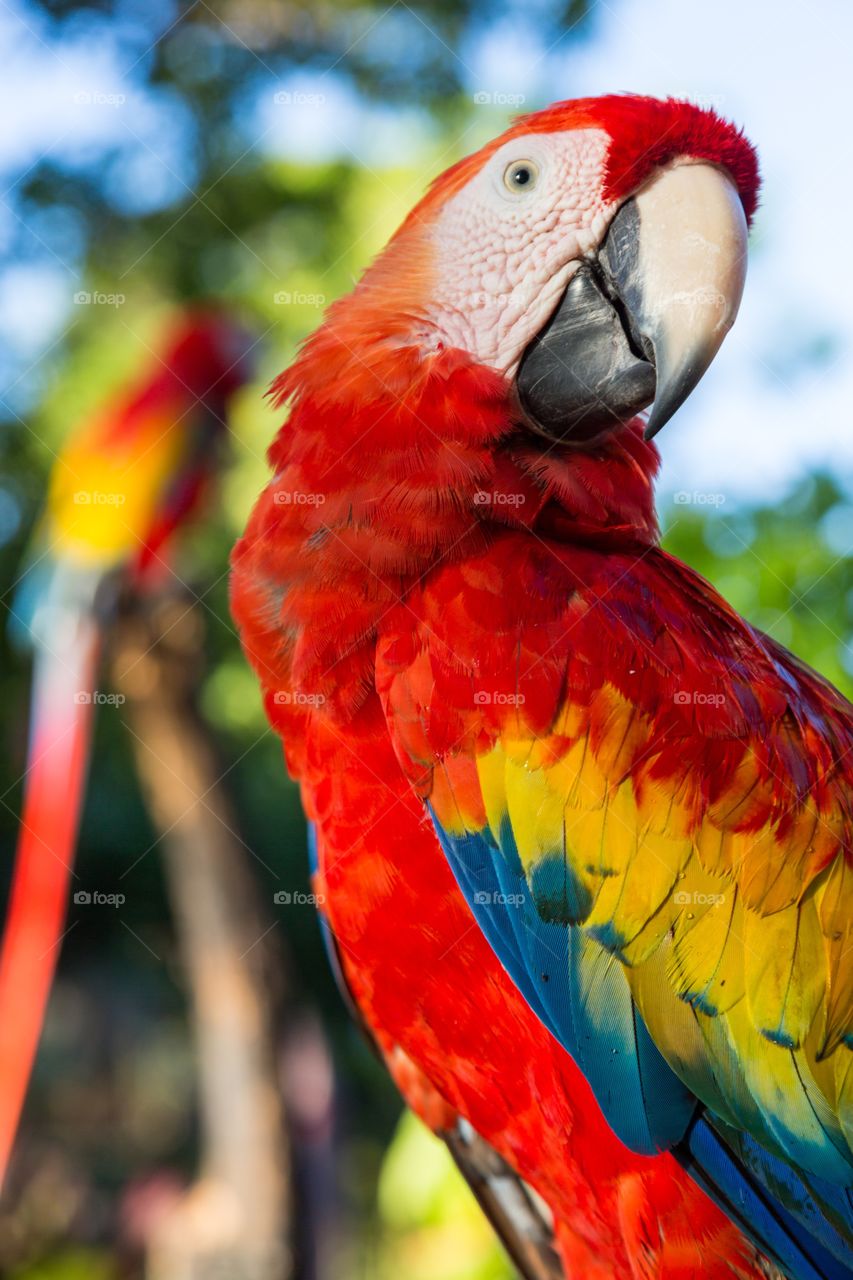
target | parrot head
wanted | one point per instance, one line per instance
(593, 255)
(490, 368)
(596, 256)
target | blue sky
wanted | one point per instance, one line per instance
(779, 399)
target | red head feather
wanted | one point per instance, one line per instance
(645, 133)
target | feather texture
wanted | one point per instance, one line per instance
(547, 681)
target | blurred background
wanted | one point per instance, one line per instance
(257, 153)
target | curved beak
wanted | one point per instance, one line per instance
(641, 322)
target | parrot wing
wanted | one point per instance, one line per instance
(647, 806)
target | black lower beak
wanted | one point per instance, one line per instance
(586, 373)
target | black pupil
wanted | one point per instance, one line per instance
(521, 176)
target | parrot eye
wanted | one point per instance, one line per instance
(521, 175)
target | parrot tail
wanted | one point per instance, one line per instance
(57, 757)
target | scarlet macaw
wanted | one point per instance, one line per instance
(583, 833)
(119, 488)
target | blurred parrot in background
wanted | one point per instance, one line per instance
(583, 835)
(119, 488)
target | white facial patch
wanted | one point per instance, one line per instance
(507, 244)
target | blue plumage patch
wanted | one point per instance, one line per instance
(577, 989)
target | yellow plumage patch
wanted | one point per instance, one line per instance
(740, 963)
(102, 498)
(784, 971)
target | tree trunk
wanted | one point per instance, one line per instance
(236, 1221)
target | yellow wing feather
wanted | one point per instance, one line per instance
(737, 939)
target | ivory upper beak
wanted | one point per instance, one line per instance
(691, 269)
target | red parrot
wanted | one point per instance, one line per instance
(582, 833)
(120, 487)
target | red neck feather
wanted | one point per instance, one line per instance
(392, 462)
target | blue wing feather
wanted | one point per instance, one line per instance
(577, 990)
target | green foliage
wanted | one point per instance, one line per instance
(77, 1265)
(433, 1225)
(786, 567)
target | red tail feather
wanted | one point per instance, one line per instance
(55, 781)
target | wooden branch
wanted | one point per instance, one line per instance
(236, 1221)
